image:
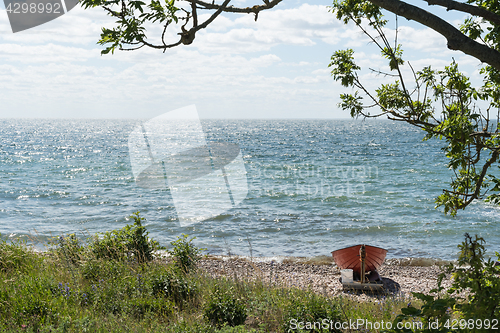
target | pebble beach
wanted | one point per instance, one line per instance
(400, 277)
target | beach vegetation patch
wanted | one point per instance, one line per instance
(473, 300)
(172, 283)
(184, 254)
(16, 256)
(68, 248)
(224, 307)
(70, 289)
(130, 242)
(310, 312)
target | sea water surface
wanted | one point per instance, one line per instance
(314, 186)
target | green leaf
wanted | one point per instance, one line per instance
(344, 67)
(411, 311)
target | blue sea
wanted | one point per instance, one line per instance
(314, 186)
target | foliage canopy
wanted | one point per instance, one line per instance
(442, 102)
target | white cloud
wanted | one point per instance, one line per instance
(303, 26)
(44, 53)
(275, 67)
(78, 26)
(426, 40)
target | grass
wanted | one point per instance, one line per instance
(108, 285)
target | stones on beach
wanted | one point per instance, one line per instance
(323, 279)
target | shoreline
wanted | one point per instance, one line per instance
(328, 260)
(400, 277)
(316, 260)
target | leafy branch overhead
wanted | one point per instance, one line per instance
(131, 17)
(441, 102)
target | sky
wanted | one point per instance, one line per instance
(276, 67)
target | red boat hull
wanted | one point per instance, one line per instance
(348, 258)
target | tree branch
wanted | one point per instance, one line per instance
(214, 15)
(195, 15)
(255, 9)
(456, 39)
(494, 157)
(466, 8)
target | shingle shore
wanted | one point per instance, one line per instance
(323, 278)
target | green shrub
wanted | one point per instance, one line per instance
(477, 278)
(186, 327)
(108, 294)
(139, 307)
(224, 308)
(184, 254)
(16, 256)
(171, 283)
(480, 277)
(310, 308)
(236, 329)
(109, 299)
(29, 302)
(4, 301)
(68, 248)
(85, 324)
(102, 269)
(129, 242)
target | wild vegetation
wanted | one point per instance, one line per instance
(117, 282)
